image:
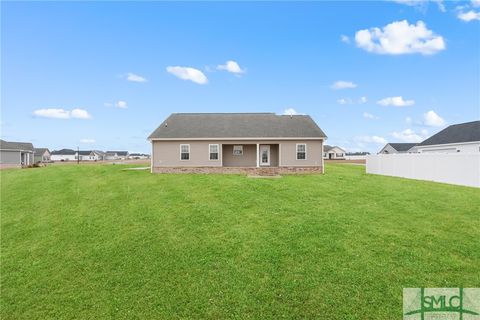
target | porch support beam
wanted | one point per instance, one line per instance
(258, 155)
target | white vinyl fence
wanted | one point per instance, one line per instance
(454, 168)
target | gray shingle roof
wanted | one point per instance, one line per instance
(24, 146)
(237, 125)
(462, 132)
(64, 152)
(119, 153)
(402, 146)
(327, 148)
(40, 151)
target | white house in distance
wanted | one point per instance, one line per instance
(91, 155)
(63, 155)
(333, 153)
(116, 155)
(391, 148)
(462, 137)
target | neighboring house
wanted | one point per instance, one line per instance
(356, 155)
(63, 155)
(334, 152)
(237, 140)
(116, 155)
(41, 155)
(138, 156)
(16, 154)
(463, 137)
(391, 148)
(91, 155)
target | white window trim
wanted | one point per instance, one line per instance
(218, 152)
(184, 144)
(296, 151)
(233, 149)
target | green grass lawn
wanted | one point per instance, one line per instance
(93, 241)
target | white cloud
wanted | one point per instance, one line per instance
(290, 112)
(408, 135)
(362, 100)
(80, 114)
(408, 120)
(367, 115)
(396, 102)
(344, 101)
(89, 141)
(187, 73)
(58, 113)
(469, 16)
(370, 139)
(231, 66)
(432, 119)
(135, 77)
(422, 4)
(475, 3)
(400, 37)
(107, 104)
(121, 104)
(338, 85)
(345, 38)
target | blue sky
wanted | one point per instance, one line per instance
(103, 75)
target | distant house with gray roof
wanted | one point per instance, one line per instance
(462, 137)
(238, 140)
(333, 153)
(16, 154)
(391, 148)
(64, 155)
(42, 155)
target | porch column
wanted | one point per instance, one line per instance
(258, 155)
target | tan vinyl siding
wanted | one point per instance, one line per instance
(282, 153)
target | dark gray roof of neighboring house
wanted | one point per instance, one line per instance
(84, 152)
(39, 151)
(63, 151)
(237, 125)
(24, 146)
(327, 148)
(119, 153)
(462, 132)
(402, 146)
(357, 153)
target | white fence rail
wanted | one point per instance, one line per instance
(462, 169)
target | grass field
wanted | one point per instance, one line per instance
(98, 242)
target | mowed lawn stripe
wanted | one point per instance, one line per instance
(95, 241)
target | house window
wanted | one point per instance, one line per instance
(339, 155)
(238, 150)
(184, 152)
(301, 151)
(213, 150)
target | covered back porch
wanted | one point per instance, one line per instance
(250, 155)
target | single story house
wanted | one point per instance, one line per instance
(237, 141)
(463, 137)
(90, 155)
(16, 154)
(391, 148)
(138, 156)
(116, 155)
(42, 155)
(334, 152)
(63, 155)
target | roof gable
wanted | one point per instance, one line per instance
(236, 125)
(462, 132)
(402, 146)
